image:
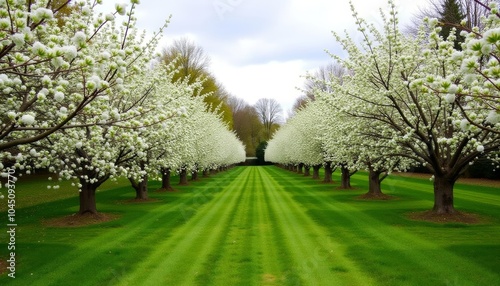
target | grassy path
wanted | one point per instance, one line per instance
(393, 253)
(251, 233)
(262, 226)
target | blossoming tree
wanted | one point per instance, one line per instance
(49, 69)
(415, 98)
(95, 104)
(299, 142)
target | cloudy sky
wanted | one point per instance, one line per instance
(259, 48)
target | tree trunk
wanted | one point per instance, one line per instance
(316, 172)
(87, 193)
(307, 171)
(183, 177)
(141, 188)
(165, 180)
(443, 195)
(194, 176)
(328, 173)
(374, 182)
(206, 173)
(87, 198)
(299, 168)
(345, 178)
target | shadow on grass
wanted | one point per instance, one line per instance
(485, 255)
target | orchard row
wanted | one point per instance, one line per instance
(84, 96)
(403, 101)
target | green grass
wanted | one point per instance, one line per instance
(256, 226)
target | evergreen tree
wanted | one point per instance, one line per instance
(451, 15)
(260, 152)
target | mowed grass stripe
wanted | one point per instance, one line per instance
(371, 238)
(273, 257)
(190, 245)
(85, 254)
(112, 239)
(317, 259)
(234, 263)
(266, 226)
(417, 187)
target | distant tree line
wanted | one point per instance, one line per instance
(252, 124)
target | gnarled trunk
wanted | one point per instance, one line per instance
(316, 171)
(443, 195)
(183, 180)
(307, 171)
(328, 173)
(141, 188)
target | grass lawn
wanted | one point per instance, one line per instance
(255, 226)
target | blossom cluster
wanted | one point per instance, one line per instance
(405, 101)
(88, 101)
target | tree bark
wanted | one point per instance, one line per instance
(87, 195)
(166, 184)
(307, 171)
(374, 182)
(141, 188)
(345, 182)
(316, 172)
(299, 168)
(443, 195)
(194, 176)
(87, 198)
(328, 173)
(183, 177)
(206, 173)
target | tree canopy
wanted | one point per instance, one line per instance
(88, 102)
(407, 100)
(191, 64)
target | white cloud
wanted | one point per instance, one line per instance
(274, 79)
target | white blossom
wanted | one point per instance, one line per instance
(70, 52)
(493, 117)
(79, 38)
(59, 96)
(18, 39)
(109, 17)
(39, 49)
(450, 98)
(28, 119)
(121, 8)
(42, 14)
